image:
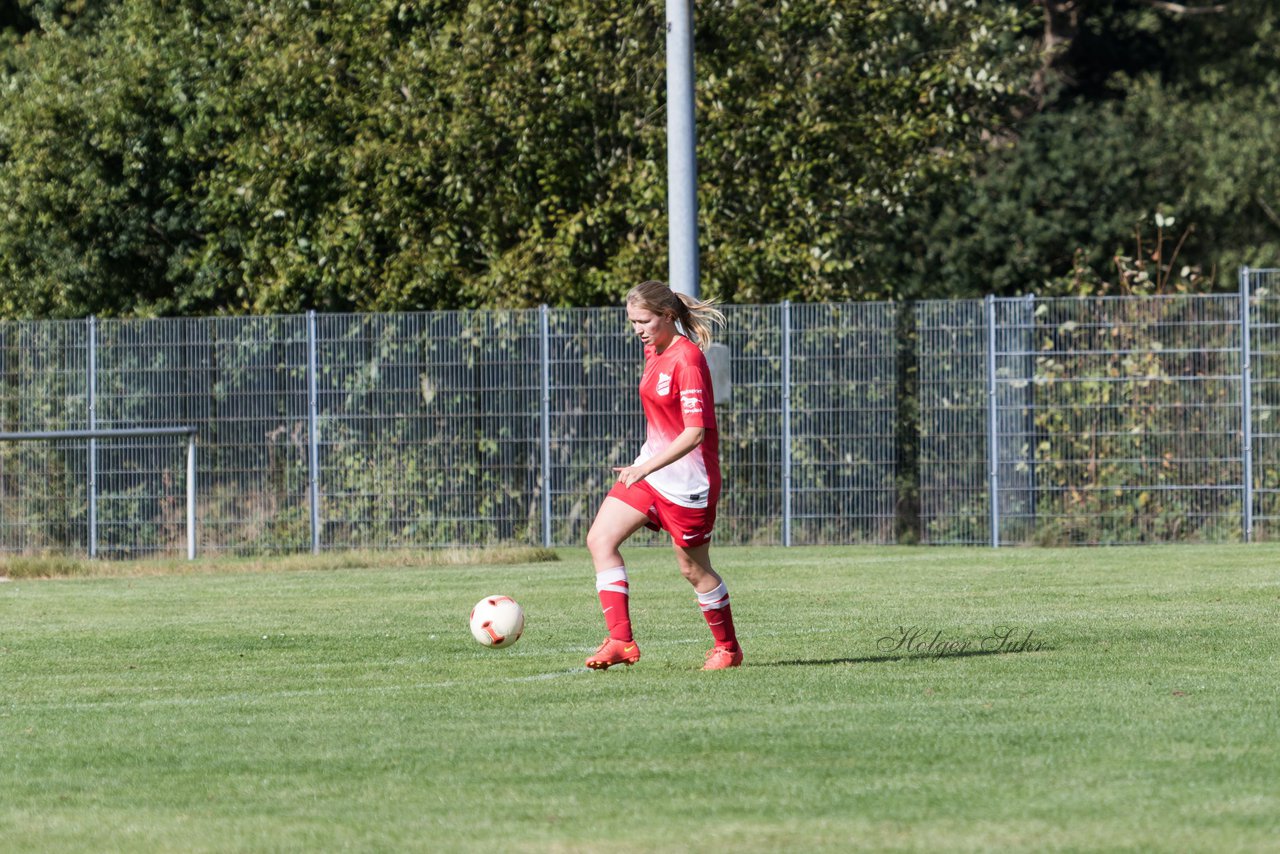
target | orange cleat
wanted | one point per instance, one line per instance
(613, 652)
(720, 658)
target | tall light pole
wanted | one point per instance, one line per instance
(682, 164)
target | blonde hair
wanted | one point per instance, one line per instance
(694, 316)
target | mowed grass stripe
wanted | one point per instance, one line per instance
(226, 709)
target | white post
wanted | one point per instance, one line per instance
(682, 168)
(191, 496)
(91, 435)
(313, 437)
(91, 399)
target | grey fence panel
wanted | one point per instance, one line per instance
(1264, 315)
(952, 369)
(43, 386)
(1014, 407)
(1095, 421)
(1136, 420)
(596, 420)
(242, 382)
(429, 429)
(253, 458)
(147, 373)
(750, 424)
(844, 416)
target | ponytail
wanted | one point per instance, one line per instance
(695, 316)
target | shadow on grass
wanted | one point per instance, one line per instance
(885, 659)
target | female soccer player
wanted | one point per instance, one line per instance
(674, 483)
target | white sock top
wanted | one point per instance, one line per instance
(719, 596)
(609, 577)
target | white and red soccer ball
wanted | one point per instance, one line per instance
(497, 621)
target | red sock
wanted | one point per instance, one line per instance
(715, 608)
(615, 601)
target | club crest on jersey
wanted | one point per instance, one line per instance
(664, 384)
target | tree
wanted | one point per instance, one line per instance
(1150, 108)
(193, 157)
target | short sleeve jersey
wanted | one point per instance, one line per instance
(676, 393)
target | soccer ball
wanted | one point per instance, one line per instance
(497, 621)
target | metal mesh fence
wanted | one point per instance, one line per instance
(1119, 419)
(952, 365)
(1088, 420)
(593, 413)
(752, 506)
(1264, 343)
(43, 495)
(253, 460)
(145, 373)
(843, 387)
(428, 429)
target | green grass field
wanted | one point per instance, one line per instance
(242, 708)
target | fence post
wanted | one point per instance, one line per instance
(313, 435)
(1028, 373)
(993, 425)
(191, 495)
(91, 395)
(786, 422)
(1246, 405)
(544, 350)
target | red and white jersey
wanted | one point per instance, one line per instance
(675, 391)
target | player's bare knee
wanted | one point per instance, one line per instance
(601, 543)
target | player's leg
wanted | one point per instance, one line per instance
(713, 599)
(695, 566)
(615, 521)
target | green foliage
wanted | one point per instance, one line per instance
(20, 17)
(1044, 208)
(96, 210)
(374, 155)
(269, 157)
(825, 126)
(347, 707)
